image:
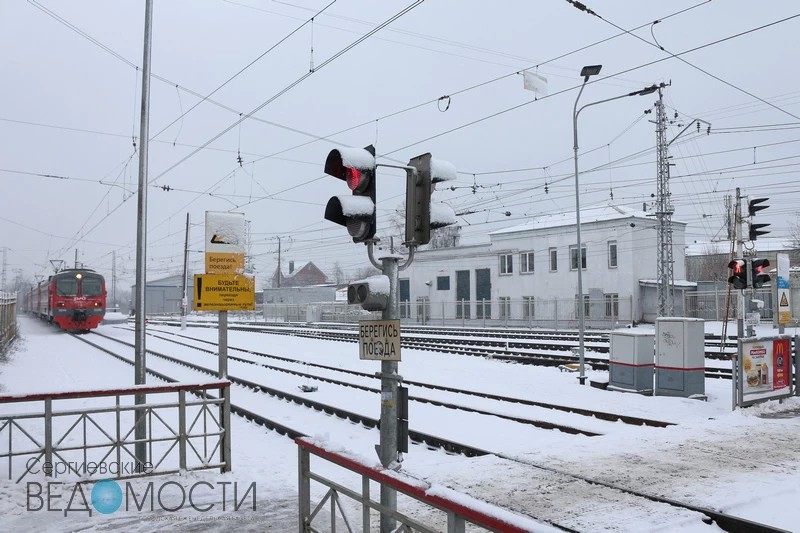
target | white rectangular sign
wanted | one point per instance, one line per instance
(225, 242)
(379, 340)
(225, 232)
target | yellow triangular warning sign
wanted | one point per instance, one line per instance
(784, 301)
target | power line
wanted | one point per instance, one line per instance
(293, 84)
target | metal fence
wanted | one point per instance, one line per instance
(456, 510)
(712, 305)
(61, 435)
(607, 312)
(8, 318)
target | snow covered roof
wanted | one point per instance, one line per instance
(676, 283)
(589, 215)
(764, 244)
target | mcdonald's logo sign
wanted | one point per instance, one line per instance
(780, 363)
(781, 347)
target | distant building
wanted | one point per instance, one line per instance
(163, 296)
(523, 272)
(308, 275)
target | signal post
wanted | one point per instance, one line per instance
(357, 213)
(747, 274)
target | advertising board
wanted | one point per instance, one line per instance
(764, 369)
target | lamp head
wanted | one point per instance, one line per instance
(590, 70)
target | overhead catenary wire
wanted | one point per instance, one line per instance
(278, 193)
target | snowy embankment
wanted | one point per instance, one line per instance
(737, 462)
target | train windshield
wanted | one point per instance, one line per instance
(67, 287)
(92, 286)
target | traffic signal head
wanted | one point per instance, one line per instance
(760, 277)
(756, 230)
(372, 293)
(422, 214)
(753, 206)
(739, 273)
(356, 167)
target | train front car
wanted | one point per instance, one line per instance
(77, 299)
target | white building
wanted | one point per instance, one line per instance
(527, 274)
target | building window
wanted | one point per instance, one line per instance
(528, 310)
(573, 257)
(443, 283)
(553, 260)
(612, 305)
(505, 307)
(506, 264)
(526, 263)
(612, 254)
(585, 305)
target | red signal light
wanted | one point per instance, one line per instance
(353, 177)
(739, 275)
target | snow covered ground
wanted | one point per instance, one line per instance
(745, 462)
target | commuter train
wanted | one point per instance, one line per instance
(74, 298)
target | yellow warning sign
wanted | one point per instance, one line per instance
(784, 301)
(224, 292)
(224, 263)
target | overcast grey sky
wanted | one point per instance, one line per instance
(71, 86)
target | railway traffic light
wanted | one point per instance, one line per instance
(372, 293)
(739, 273)
(356, 167)
(759, 276)
(753, 207)
(423, 215)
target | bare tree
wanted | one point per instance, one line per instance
(365, 272)
(446, 237)
(338, 273)
(794, 241)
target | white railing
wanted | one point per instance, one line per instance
(59, 434)
(459, 509)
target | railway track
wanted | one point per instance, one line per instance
(593, 494)
(552, 349)
(601, 415)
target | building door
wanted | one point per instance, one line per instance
(462, 294)
(483, 292)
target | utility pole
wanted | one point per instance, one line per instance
(740, 299)
(140, 369)
(280, 274)
(664, 210)
(114, 278)
(185, 299)
(76, 258)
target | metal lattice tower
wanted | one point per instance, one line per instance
(664, 212)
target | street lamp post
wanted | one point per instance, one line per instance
(587, 72)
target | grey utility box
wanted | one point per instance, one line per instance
(680, 357)
(630, 363)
